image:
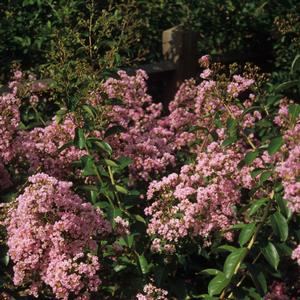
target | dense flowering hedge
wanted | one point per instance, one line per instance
(116, 198)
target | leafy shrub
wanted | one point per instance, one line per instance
(118, 32)
(159, 203)
(47, 32)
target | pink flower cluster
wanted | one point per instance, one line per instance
(121, 226)
(278, 292)
(197, 201)
(289, 171)
(150, 139)
(281, 119)
(153, 140)
(9, 122)
(10, 134)
(204, 61)
(238, 85)
(296, 254)
(40, 147)
(289, 166)
(201, 198)
(145, 140)
(151, 292)
(52, 239)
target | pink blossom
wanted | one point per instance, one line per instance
(238, 85)
(204, 61)
(40, 147)
(151, 292)
(51, 239)
(296, 254)
(205, 74)
(278, 292)
(9, 122)
(288, 168)
(122, 226)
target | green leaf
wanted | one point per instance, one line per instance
(143, 264)
(272, 99)
(110, 163)
(250, 157)
(280, 226)
(101, 145)
(89, 167)
(94, 196)
(127, 240)
(102, 204)
(256, 172)
(233, 261)
(295, 64)
(121, 189)
(60, 115)
(283, 249)
(250, 109)
(194, 128)
(119, 268)
(278, 187)
(134, 193)
(275, 145)
(217, 284)
(263, 123)
(265, 176)
(114, 130)
(218, 123)
(237, 226)
(258, 278)
(140, 219)
(213, 272)
(271, 255)
(5, 259)
(231, 124)
(88, 187)
(104, 146)
(79, 139)
(294, 111)
(89, 110)
(229, 141)
(246, 234)
(124, 162)
(283, 205)
(256, 206)
(106, 190)
(226, 248)
(286, 85)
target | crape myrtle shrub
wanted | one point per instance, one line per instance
(128, 31)
(106, 197)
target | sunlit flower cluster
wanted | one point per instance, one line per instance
(52, 239)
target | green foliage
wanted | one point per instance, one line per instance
(81, 36)
(217, 284)
(246, 233)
